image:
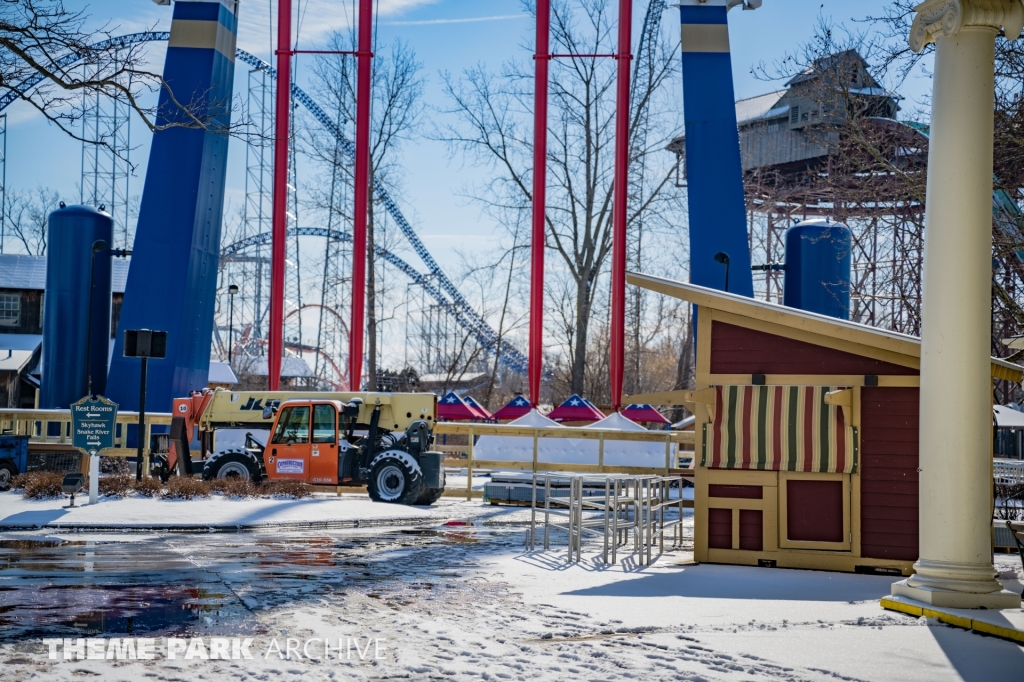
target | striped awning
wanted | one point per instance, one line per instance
(778, 428)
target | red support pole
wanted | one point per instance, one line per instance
(282, 110)
(540, 155)
(620, 190)
(360, 193)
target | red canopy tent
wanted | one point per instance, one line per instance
(643, 413)
(576, 409)
(452, 408)
(477, 407)
(516, 408)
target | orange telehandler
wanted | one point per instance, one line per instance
(381, 440)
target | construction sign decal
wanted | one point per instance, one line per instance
(779, 428)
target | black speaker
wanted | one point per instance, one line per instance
(144, 343)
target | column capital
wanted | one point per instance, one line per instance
(944, 18)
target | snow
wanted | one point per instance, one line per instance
(571, 450)
(225, 513)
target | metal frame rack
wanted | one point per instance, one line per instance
(623, 503)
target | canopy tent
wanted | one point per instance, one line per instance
(572, 450)
(516, 408)
(576, 409)
(643, 413)
(452, 408)
(480, 409)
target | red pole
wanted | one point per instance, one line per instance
(617, 357)
(360, 195)
(275, 334)
(540, 155)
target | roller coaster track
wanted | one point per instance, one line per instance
(447, 294)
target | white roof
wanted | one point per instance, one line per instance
(14, 360)
(1007, 417)
(616, 421)
(221, 373)
(19, 271)
(442, 378)
(762, 106)
(20, 341)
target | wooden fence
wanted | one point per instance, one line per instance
(470, 463)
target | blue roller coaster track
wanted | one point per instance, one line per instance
(446, 293)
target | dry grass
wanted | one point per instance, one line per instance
(181, 488)
(294, 489)
(234, 487)
(40, 485)
(148, 487)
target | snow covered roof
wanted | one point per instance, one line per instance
(221, 373)
(762, 106)
(19, 271)
(1007, 417)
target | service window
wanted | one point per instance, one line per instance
(292, 426)
(323, 423)
(10, 310)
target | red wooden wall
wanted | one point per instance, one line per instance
(888, 473)
(738, 350)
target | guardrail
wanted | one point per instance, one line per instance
(470, 463)
(36, 425)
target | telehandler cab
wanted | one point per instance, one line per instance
(381, 440)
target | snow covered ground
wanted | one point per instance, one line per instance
(467, 603)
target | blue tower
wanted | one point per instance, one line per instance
(173, 275)
(713, 170)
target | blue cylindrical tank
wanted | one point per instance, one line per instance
(77, 270)
(818, 261)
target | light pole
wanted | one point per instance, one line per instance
(232, 290)
(723, 258)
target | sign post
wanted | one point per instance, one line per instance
(93, 426)
(145, 344)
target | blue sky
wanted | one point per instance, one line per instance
(447, 35)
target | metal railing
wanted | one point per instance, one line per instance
(622, 506)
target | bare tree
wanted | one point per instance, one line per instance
(493, 112)
(42, 42)
(25, 216)
(397, 107)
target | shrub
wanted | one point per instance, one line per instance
(116, 486)
(40, 485)
(115, 465)
(234, 487)
(148, 487)
(18, 482)
(295, 489)
(183, 488)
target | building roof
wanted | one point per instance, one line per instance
(1007, 417)
(221, 373)
(762, 106)
(858, 335)
(291, 367)
(516, 408)
(18, 271)
(576, 409)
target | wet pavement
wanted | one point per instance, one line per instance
(208, 585)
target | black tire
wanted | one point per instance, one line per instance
(431, 495)
(233, 462)
(7, 472)
(395, 478)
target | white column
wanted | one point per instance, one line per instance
(955, 565)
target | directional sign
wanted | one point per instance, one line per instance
(93, 423)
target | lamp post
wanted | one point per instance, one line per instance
(723, 258)
(232, 290)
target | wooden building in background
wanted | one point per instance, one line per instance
(806, 435)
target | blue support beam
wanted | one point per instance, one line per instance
(717, 212)
(172, 280)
